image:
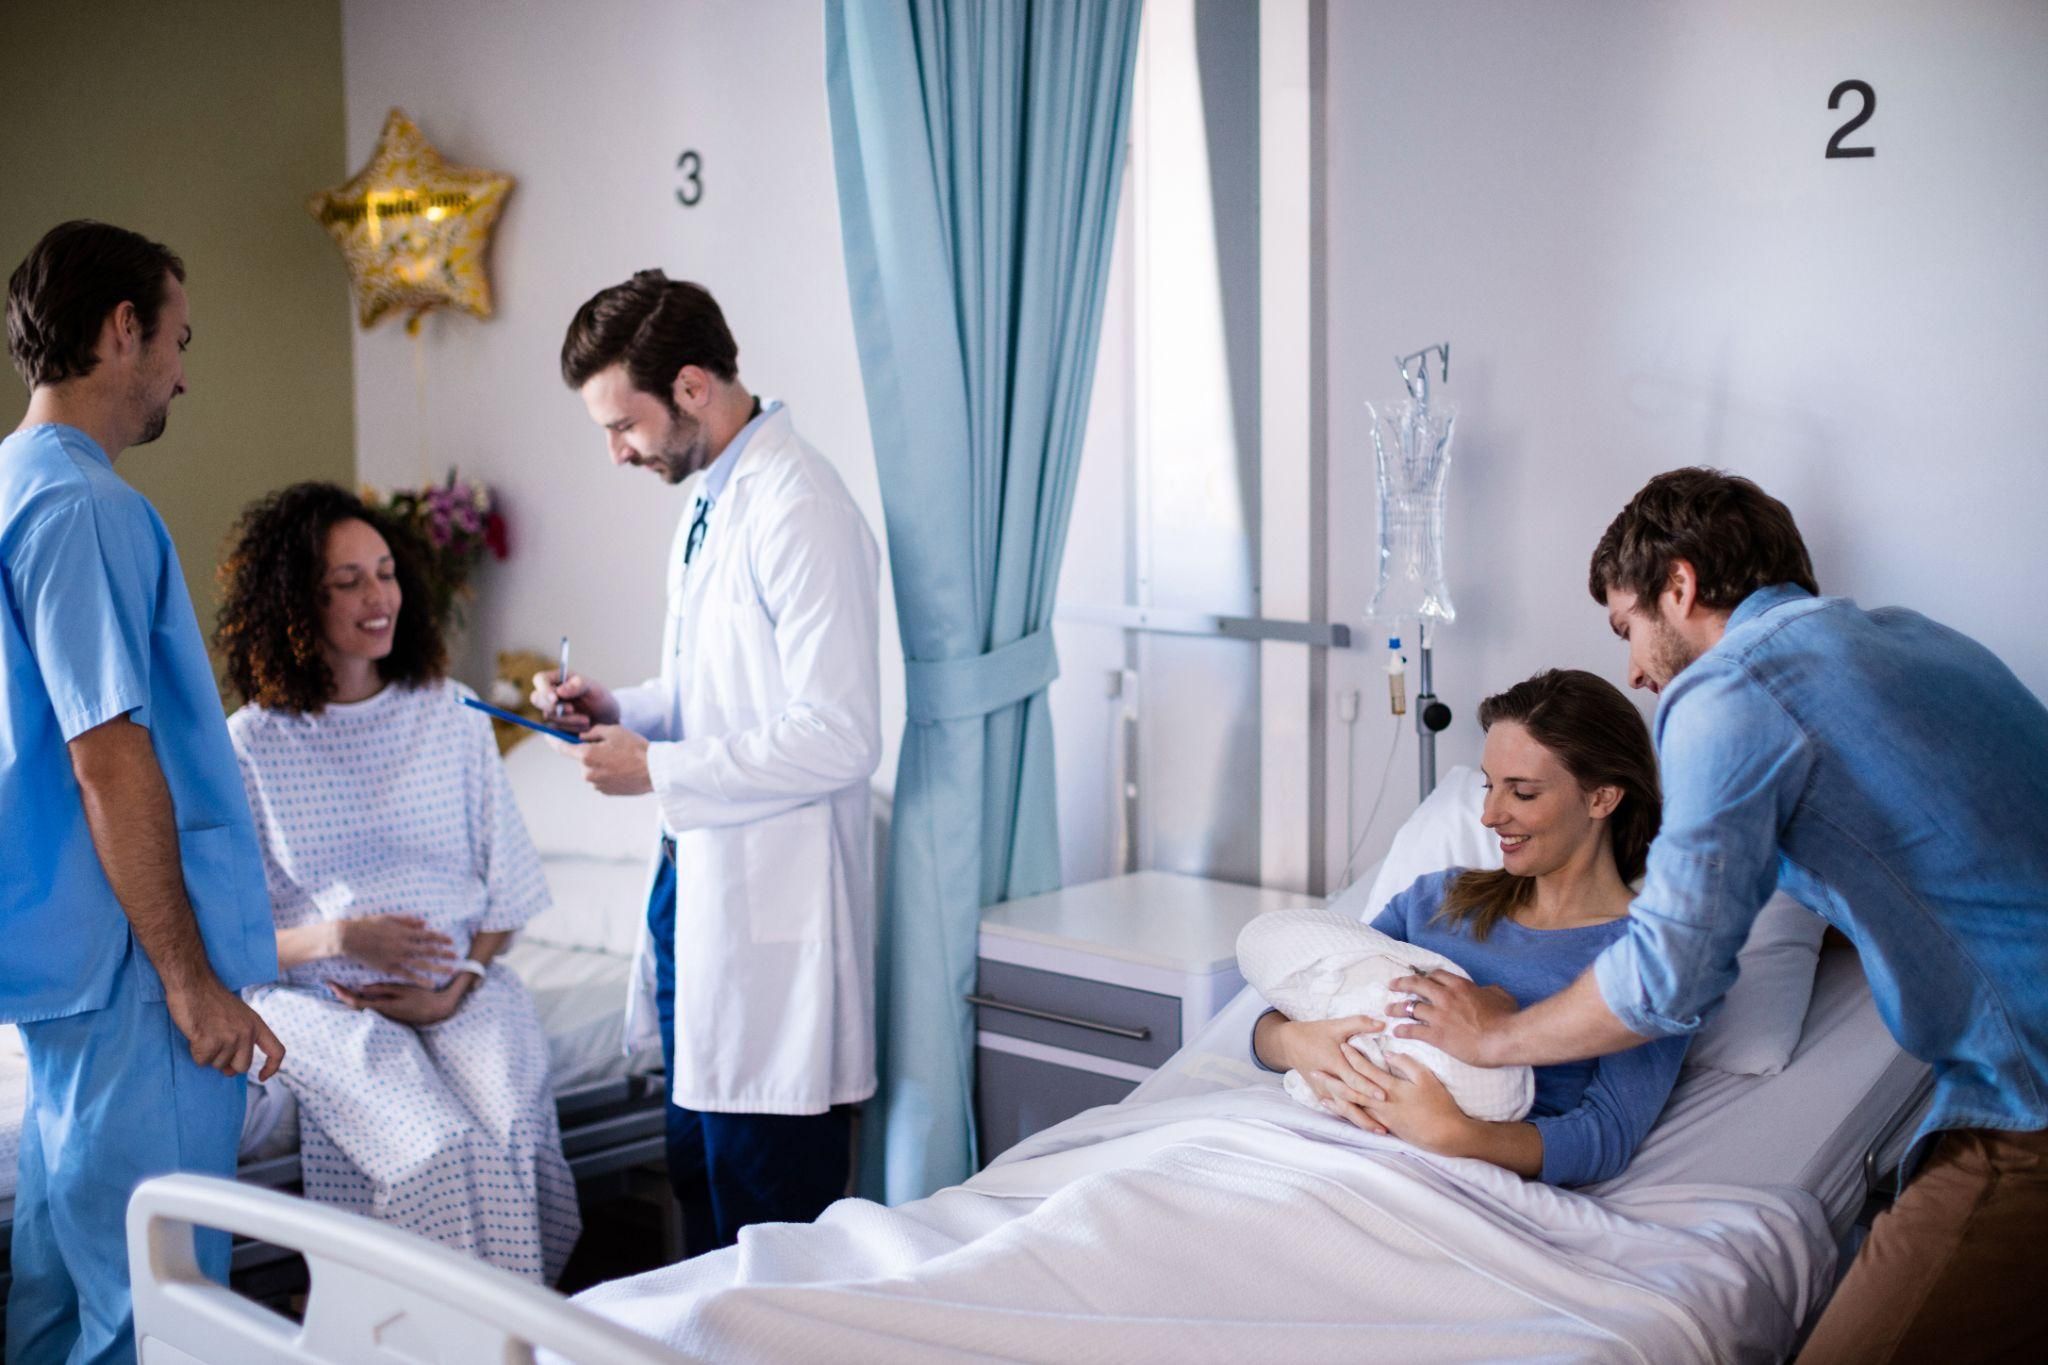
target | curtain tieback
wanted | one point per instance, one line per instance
(961, 689)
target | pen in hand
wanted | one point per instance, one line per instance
(562, 676)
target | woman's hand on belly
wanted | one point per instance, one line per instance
(419, 1006)
(403, 947)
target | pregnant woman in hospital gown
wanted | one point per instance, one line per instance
(1572, 794)
(398, 869)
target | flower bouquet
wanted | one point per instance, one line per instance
(456, 524)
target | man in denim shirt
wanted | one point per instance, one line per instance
(1892, 774)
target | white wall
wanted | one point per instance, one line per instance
(1096, 571)
(1620, 216)
(589, 106)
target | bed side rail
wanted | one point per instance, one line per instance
(378, 1294)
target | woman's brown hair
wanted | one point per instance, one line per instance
(1602, 742)
(269, 625)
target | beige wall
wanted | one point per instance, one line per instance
(205, 127)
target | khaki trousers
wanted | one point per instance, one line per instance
(1957, 1269)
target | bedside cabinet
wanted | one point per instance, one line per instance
(1083, 992)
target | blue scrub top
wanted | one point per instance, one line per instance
(97, 624)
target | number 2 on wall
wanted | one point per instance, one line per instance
(692, 188)
(1835, 147)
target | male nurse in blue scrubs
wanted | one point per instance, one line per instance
(132, 901)
(1892, 774)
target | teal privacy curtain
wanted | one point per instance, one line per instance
(979, 147)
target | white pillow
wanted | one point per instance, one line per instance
(600, 904)
(1757, 1026)
(1444, 832)
(567, 817)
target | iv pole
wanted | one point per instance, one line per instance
(1431, 715)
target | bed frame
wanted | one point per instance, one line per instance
(376, 1295)
(609, 1131)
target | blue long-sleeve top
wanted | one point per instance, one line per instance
(1591, 1115)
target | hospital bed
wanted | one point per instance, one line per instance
(575, 960)
(1721, 1241)
(609, 1104)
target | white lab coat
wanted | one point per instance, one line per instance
(765, 726)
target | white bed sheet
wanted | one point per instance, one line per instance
(1101, 1237)
(1847, 1086)
(1238, 1226)
(13, 1096)
(581, 997)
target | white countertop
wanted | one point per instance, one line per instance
(1157, 919)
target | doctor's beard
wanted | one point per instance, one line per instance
(677, 460)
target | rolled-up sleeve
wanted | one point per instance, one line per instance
(1734, 768)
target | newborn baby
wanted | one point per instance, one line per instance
(1317, 964)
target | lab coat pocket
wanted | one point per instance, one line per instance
(789, 875)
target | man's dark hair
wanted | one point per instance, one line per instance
(655, 326)
(1737, 538)
(269, 623)
(61, 293)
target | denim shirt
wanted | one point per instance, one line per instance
(1892, 774)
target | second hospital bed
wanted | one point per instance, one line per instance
(575, 960)
(1204, 1218)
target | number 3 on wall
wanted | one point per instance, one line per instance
(692, 188)
(1835, 147)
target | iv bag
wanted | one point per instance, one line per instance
(1412, 449)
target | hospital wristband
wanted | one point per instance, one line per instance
(472, 966)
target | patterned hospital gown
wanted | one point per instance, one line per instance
(399, 805)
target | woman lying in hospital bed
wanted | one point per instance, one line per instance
(398, 869)
(1572, 795)
(1210, 1219)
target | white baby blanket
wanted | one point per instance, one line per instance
(1318, 964)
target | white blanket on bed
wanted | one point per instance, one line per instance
(1318, 964)
(1239, 1227)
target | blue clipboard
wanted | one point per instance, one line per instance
(502, 714)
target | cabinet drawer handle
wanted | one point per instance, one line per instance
(1136, 1035)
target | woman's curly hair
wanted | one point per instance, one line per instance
(269, 625)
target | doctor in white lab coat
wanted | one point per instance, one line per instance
(758, 740)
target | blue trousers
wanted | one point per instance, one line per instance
(729, 1170)
(114, 1098)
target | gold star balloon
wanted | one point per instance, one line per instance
(412, 228)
